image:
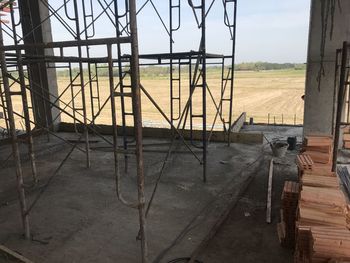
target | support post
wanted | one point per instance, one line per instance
(24, 101)
(81, 75)
(204, 91)
(136, 103)
(15, 150)
(341, 95)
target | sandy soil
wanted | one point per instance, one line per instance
(277, 93)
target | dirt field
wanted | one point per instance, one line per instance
(258, 93)
(274, 92)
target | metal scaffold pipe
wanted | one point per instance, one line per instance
(15, 149)
(136, 103)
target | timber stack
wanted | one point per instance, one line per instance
(322, 215)
(346, 137)
(286, 228)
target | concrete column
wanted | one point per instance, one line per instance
(319, 94)
(32, 13)
(50, 71)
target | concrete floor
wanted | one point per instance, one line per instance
(79, 219)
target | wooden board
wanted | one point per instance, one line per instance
(319, 157)
(347, 145)
(269, 193)
(13, 255)
(346, 137)
(314, 180)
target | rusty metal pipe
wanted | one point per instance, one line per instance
(15, 150)
(136, 105)
(115, 131)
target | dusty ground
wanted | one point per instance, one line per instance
(79, 218)
(245, 236)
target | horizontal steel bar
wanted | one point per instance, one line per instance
(71, 43)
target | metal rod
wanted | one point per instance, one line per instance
(115, 132)
(15, 150)
(121, 76)
(136, 102)
(81, 70)
(67, 44)
(24, 102)
(232, 68)
(176, 129)
(204, 92)
(341, 96)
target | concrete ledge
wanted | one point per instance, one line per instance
(238, 124)
(150, 132)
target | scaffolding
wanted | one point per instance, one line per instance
(30, 57)
(341, 104)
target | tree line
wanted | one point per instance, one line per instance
(163, 71)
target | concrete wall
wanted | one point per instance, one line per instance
(50, 71)
(318, 113)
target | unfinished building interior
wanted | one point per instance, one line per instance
(100, 165)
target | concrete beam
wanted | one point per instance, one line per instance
(217, 136)
(319, 93)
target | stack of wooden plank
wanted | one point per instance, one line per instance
(316, 156)
(304, 162)
(286, 228)
(319, 180)
(323, 219)
(346, 137)
(323, 215)
(328, 244)
(319, 149)
(322, 206)
(306, 166)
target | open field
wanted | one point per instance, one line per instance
(275, 92)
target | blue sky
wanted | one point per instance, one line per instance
(267, 30)
(273, 30)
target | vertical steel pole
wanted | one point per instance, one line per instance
(15, 150)
(341, 96)
(121, 75)
(336, 75)
(114, 116)
(171, 64)
(232, 70)
(81, 70)
(136, 103)
(190, 102)
(24, 100)
(89, 65)
(204, 91)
